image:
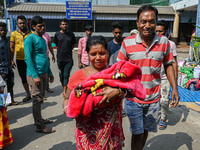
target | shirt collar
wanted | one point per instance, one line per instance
(29, 31)
(139, 40)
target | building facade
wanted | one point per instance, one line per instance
(104, 12)
(152, 2)
(185, 19)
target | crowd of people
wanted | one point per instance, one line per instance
(146, 47)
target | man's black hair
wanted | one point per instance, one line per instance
(3, 24)
(118, 25)
(88, 27)
(93, 40)
(145, 8)
(21, 17)
(162, 23)
(36, 20)
(64, 20)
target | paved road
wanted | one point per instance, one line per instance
(182, 133)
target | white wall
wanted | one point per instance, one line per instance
(111, 2)
(184, 4)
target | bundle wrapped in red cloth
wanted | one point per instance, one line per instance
(123, 74)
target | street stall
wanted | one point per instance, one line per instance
(189, 74)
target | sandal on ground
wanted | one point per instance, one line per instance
(27, 98)
(13, 103)
(47, 121)
(46, 130)
(163, 125)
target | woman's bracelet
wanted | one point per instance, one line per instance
(120, 91)
(65, 108)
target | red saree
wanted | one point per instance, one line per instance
(103, 130)
(100, 128)
(5, 134)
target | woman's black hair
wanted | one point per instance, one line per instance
(93, 40)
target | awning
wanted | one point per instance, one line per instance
(43, 15)
(128, 17)
(99, 12)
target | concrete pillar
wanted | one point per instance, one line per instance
(13, 24)
(175, 28)
(94, 26)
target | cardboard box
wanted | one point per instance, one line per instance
(181, 78)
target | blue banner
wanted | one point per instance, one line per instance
(79, 10)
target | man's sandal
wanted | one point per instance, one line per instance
(13, 103)
(163, 125)
(27, 98)
(46, 130)
(47, 121)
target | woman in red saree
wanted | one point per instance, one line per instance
(103, 130)
(5, 133)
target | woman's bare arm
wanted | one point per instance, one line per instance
(66, 100)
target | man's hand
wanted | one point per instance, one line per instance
(174, 95)
(37, 80)
(13, 64)
(51, 78)
(53, 59)
(79, 65)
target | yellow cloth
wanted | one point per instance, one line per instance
(17, 38)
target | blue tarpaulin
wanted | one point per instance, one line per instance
(187, 95)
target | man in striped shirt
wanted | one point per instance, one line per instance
(148, 51)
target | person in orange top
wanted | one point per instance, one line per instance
(105, 124)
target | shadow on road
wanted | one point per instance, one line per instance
(60, 119)
(64, 145)
(24, 135)
(16, 113)
(179, 113)
(57, 90)
(169, 142)
(27, 134)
